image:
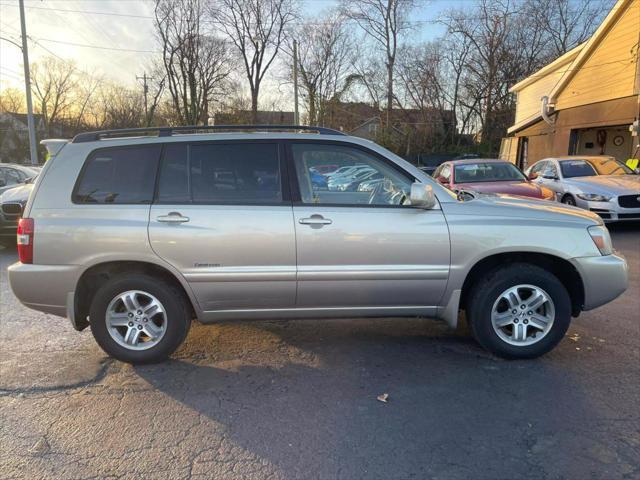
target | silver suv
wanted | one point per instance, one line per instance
(135, 233)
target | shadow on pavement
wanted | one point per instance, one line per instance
(315, 410)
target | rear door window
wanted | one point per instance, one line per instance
(220, 173)
(121, 175)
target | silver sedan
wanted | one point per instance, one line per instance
(600, 184)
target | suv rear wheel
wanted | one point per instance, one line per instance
(139, 319)
(519, 311)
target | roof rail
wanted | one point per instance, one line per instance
(169, 131)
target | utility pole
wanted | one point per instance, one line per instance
(145, 88)
(296, 117)
(27, 86)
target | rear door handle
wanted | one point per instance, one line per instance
(173, 217)
(318, 220)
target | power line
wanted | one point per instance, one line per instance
(11, 70)
(99, 47)
(114, 14)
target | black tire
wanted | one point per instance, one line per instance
(177, 312)
(487, 291)
(569, 200)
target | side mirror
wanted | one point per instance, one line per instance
(532, 176)
(422, 196)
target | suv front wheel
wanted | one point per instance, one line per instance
(519, 311)
(139, 319)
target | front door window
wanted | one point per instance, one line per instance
(362, 179)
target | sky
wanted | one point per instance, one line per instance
(115, 38)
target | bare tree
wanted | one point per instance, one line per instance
(487, 28)
(384, 21)
(196, 64)
(114, 106)
(54, 84)
(12, 100)
(567, 23)
(84, 93)
(257, 29)
(325, 56)
(424, 84)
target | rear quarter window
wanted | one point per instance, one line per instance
(120, 175)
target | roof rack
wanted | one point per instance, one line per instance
(169, 131)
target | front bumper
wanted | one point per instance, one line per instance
(44, 287)
(610, 211)
(604, 278)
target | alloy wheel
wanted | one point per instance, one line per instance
(136, 320)
(523, 315)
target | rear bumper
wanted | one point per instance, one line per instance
(44, 287)
(604, 278)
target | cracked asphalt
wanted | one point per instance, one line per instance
(297, 400)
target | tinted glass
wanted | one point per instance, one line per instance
(487, 172)
(363, 179)
(220, 173)
(577, 168)
(119, 175)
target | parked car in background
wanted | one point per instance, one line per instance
(12, 203)
(600, 184)
(13, 174)
(344, 182)
(133, 234)
(489, 176)
(318, 181)
(345, 170)
(326, 169)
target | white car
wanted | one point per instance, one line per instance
(600, 184)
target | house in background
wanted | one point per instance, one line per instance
(584, 102)
(243, 117)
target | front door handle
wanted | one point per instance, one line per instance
(315, 221)
(172, 217)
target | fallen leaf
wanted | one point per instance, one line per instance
(575, 337)
(383, 398)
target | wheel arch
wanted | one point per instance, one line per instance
(96, 275)
(561, 268)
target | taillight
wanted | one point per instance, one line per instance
(26, 232)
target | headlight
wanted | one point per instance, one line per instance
(593, 197)
(600, 236)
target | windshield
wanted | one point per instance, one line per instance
(487, 172)
(592, 167)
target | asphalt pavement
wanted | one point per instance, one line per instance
(298, 400)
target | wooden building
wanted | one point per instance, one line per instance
(586, 101)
